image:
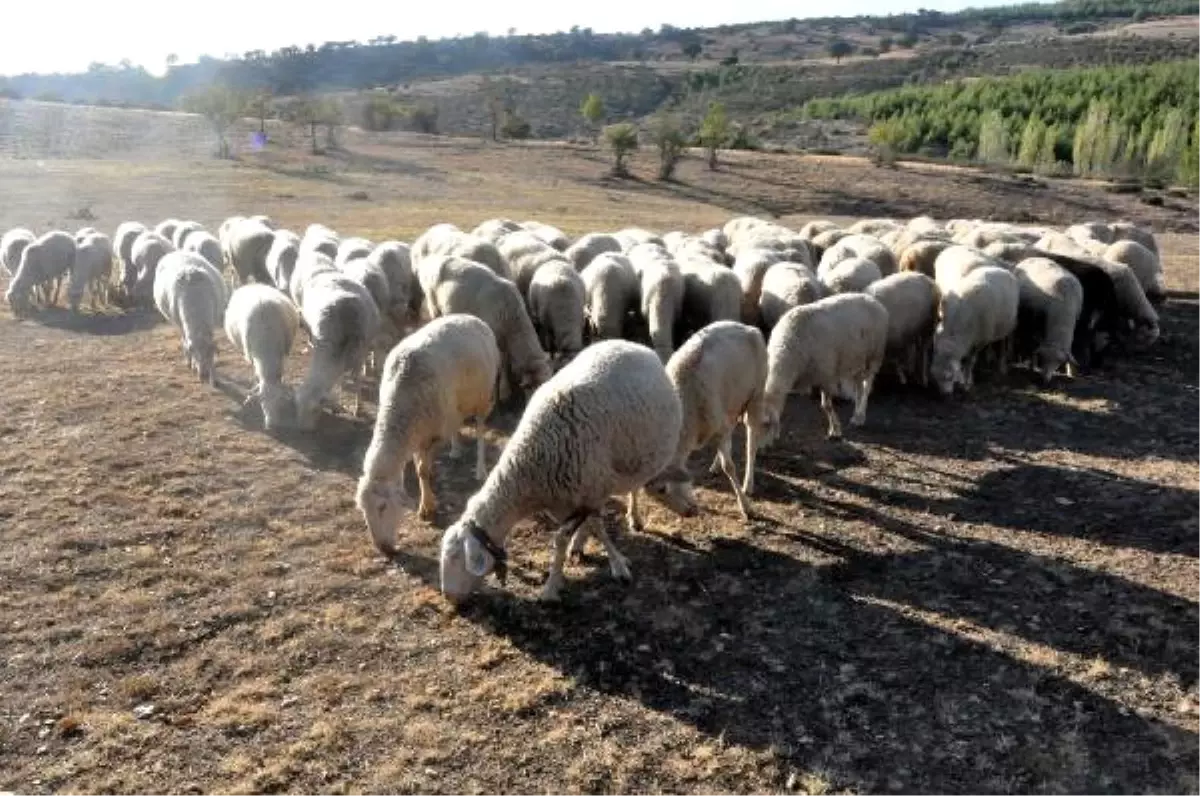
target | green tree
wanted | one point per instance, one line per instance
(261, 105)
(221, 106)
(623, 141)
(994, 146)
(1032, 140)
(515, 127)
(592, 110)
(667, 135)
(314, 113)
(714, 132)
(839, 49)
(1165, 155)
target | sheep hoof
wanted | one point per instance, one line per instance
(835, 435)
(427, 513)
(857, 421)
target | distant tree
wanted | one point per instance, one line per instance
(221, 106)
(261, 106)
(714, 132)
(379, 113)
(994, 145)
(316, 112)
(692, 47)
(885, 44)
(667, 135)
(839, 49)
(423, 118)
(623, 140)
(908, 40)
(515, 127)
(592, 110)
(172, 60)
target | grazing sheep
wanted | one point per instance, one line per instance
(372, 277)
(450, 241)
(433, 380)
(921, 255)
(716, 239)
(814, 228)
(956, 262)
(556, 299)
(351, 249)
(167, 229)
(784, 286)
(394, 260)
(261, 322)
(524, 253)
(249, 242)
(190, 294)
(92, 270)
(454, 284)
(148, 250)
(11, 246)
(1137, 314)
(588, 247)
(308, 266)
(720, 374)
(319, 238)
(911, 299)
(850, 276)
(857, 247)
(611, 288)
(824, 241)
(711, 293)
(751, 266)
(1100, 316)
(661, 285)
(634, 236)
(978, 308)
(552, 236)
(206, 245)
(1144, 264)
(838, 338)
(605, 424)
(1123, 230)
(281, 258)
(1010, 252)
(1050, 301)
(342, 321)
(185, 230)
(43, 262)
(494, 229)
(874, 227)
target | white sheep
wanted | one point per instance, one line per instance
(190, 294)
(826, 240)
(1135, 307)
(715, 238)
(11, 246)
(494, 229)
(590, 246)
(281, 258)
(319, 238)
(91, 271)
(352, 249)
(711, 293)
(556, 300)
(751, 266)
(261, 322)
(784, 286)
(524, 253)
(921, 255)
(814, 228)
(635, 236)
(167, 229)
(838, 338)
(433, 381)
(248, 243)
(206, 245)
(611, 287)
(342, 321)
(1050, 301)
(661, 285)
(551, 235)
(978, 309)
(911, 299)
(1145, 265)
(1124, 230)
(308, 266)
(874, 227)
(857, 247)
(43, 262)
(853, 275)
(605, 424)
(148, 250)
(449, 240)
(454, 284)
(183, 231)
(955, 262)
(394, 259)
(126, 235)
(720, 374)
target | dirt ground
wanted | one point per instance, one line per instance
(989, 594)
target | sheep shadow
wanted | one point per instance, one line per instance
(829, 668)
(99, 323)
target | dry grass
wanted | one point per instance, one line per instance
(994, 594)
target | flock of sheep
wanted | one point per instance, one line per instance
(638, 348)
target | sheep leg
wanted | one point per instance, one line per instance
(860, 400)
(456, 448)
(424, 464)
(57, 287)
(578, 543)
(835, 425)
(725, 457)
(751, 454)
(634, 514)
(715, 467)
(562, 537)
(480, 451)
(618, 564)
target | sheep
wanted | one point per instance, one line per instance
(552, 236)
(911, 299)
(814, 228)
(1123, 230)
(1089, 232)
(266, 221)
(1100, 315)
(605, 424)
(319, 238)
(185, 230)
(835, 339)
(1145, 265)
(84, 232)
(873, 227)
(342, 321)
(556, 299)
(394, 260)
(784, 286)
(680, 245)
(206, 245)
(827, 240)
(454, 284)
(372, 277)
(711, 293)
(44, 261)
(11, 246)
(281, 258)
(775, 238)
(91, 270)
(978, 308)
(634, 236)
(1137, 314)
(249, 242)
(494, 229)
(588, 247)
(432, 382)
(611, 288)
(861, 247)
(956, 261)
(449, 240)
(720, 374)
(921, 255)
(1050, 301)
(751, 266)
(148, 250)
(850, 276)
(351, 249)
(715, 238)
(661, 285)
(261, 322)
(524, 253)
(190, 294)
(308, 266)
(1011, 252)
(167, 229)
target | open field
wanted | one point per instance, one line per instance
(990, 594)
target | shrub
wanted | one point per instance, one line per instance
(670, 140)
(623, 141)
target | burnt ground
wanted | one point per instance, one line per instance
(991, 594)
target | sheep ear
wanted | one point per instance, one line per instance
(478, 560)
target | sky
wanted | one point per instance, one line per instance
(68, 35)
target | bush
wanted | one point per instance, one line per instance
(670, 140)
(623, 141)
(423, 118)
(381, 113)
(714, 132)
(515, 127)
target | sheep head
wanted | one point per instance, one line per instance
(672, 488)
(383, 505)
